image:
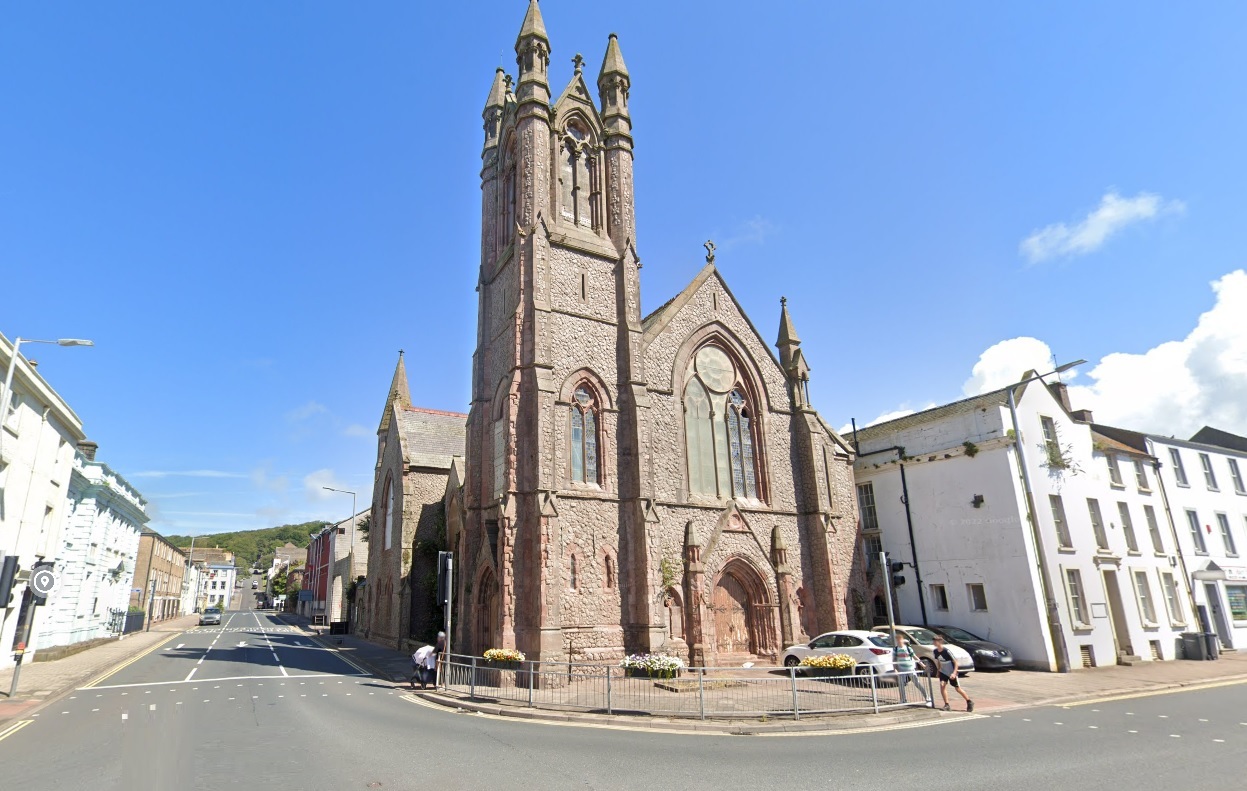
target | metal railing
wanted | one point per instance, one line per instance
(700, 692)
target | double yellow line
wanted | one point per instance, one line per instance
(14, 728)
(130, 661)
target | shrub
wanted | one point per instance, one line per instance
(504, 655)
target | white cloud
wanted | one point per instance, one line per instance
(755, 230)
(262, 478)
(314, 483)
(310, 409)
(1005, 362)
(1112, 215)
(847, 429)
(185, 474)
(1180, 386)
(356, 430)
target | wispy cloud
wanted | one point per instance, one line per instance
(356, 430)
(1089, 234)
(314, 483)
(310, 409)
(186, 474)
(221, 514)
(752, 231)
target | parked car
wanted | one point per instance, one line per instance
(987, 655)
(872, 651)
(212, 615)
(255, 584)
(922, 640)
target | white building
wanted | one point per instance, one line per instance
(217, 585)
(95, 566)
(192, 587)
(350, 562)
(945, 491)
(1205, 482)
(39, 435)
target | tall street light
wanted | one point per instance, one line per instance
(5, 397)
(1045, 579)
(351, 555)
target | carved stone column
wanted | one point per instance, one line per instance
(694, 604)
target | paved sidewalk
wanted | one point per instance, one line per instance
(40, 682)
(385, 663)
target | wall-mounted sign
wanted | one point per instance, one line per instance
(1099, 609)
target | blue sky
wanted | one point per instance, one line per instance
(250, 207)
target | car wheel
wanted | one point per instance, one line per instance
(928, 668)
(791, 661)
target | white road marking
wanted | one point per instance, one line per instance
(125, 715)
(1094, 727)
(1201, 719)
(1131, 731)
(94, 709)
(179, 645)
(1058, 723)
(1026, 719)
(1175, 736)
(1163, 716)
(152, 707)
(73, 697)
(229, 678)
(192, 673)
(1219, 741)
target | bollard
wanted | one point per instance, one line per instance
(472, 682)
(701, 692)
(796, 712)
(608, 691)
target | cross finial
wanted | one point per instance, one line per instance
(400, 352)
(579, 63)
(783, 302)
(506, 80)
(709, 245)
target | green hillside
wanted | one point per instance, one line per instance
(248, 545)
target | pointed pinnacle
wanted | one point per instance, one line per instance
(613, 63)
(533, 25)
(497, 91)
(787, 333)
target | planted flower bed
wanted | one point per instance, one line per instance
(652, 666)
(828, 665)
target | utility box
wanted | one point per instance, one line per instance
(1194, 646)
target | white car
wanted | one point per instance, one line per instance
(872, 651)
(922, 640)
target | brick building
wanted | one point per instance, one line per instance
(158, 572)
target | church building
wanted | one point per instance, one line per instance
(629, 483)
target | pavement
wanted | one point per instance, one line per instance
(992, 692)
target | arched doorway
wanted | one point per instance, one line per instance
(742, 614)
(485, 619)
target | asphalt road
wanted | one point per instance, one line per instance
(256, 704)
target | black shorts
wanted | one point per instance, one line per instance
(946, 679)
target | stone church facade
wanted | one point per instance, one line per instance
(631, 483)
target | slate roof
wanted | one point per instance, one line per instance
(964, 406)
(1221, 439)
(431, 437)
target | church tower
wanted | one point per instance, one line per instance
(553, 493)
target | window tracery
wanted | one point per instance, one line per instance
(719, 428)
(580, 182)
(584, 436)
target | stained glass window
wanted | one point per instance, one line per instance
(718, 429)
(584, 438)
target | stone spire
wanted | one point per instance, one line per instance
(613, 86)
(791, 358)
(494, 106)
(532, 50)
(399, 391)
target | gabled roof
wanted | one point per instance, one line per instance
(995, 398)
(431, 437)
(1222, 439)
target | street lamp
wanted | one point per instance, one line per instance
(1045, 580)
(8, 376)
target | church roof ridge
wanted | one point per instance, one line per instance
(431, 411)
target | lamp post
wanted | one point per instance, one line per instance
(1056, 634)
(351, 554)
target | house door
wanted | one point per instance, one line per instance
(1117, 613)
(1213, 594)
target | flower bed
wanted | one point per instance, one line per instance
(652, 665)
(829, 664)
(504, 655)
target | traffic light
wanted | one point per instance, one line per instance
(895, 568)
(9, 567)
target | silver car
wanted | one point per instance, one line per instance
(212, 615)
(922, 640)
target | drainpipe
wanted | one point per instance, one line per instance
(909, 522)
(1177, 547)
(1056, 634)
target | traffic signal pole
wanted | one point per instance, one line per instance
(28, 618)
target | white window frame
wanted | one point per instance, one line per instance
(1197, 531)
(867, 507)
(1097, 524)
(1227, 538)
(1153, 530)
(1179, 471)
(1210, 475)
(1127, 528)
(939, 596)
(1065, 538)
(970, 586)
(1076, 601)
(1140, 476)
(1114, 471)
(1143, 596)
(1173, 600)
(1236, 475)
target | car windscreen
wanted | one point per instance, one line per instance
(882, 640)
(212, 612)
(921, 636)
(959, 634)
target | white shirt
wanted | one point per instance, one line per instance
(425, 655)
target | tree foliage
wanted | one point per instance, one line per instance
(249, 546)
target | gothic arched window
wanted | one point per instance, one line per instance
(574, 582)
(388, 522)
(610, 572)
(719, 429)
(578, 176)
(584, 436)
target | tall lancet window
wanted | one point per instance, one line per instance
(719, 429)
(584, 439)
(579, 188)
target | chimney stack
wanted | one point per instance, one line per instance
(88, 448)
(1061, 393)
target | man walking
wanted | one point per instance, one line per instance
(905, 663)
(422, 663)
(947, 667)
